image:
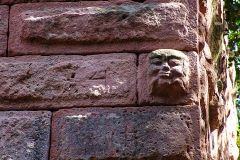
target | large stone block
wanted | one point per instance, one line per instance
(11, 2)
(4, 12)
(168, 77)
(101, 27)
(24, 135)
(51, 82)
(159, 133)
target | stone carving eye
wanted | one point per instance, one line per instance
(156, 61)
(174, 62)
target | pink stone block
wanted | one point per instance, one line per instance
(4, 12)
(168, 95)
(101, 27)
(163, 132)
(44, 82)
(25, 135)
(10, 2)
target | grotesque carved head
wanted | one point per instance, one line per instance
(168, 73)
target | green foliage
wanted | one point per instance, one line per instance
(232, 8)
(238, 137)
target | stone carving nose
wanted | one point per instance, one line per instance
(165, 66)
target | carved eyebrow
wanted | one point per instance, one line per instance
(155, 56)
(167, 57)
(174, 57)
(155, 60)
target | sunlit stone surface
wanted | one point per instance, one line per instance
(44, 82)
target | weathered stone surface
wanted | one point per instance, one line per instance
(44, 82)
(10, 2)
(150, 94)
(163, 132)
(100, 27)
(24, 135)
(4, 12)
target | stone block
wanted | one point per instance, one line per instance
(24, 135)
(168, 77)
(101, 27)
(4, 12)
(51, 82)
(11, 2)
(159, 133)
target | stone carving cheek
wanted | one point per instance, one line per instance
(153, 70)
(177, 71)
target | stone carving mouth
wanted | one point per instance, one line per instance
(165, 74)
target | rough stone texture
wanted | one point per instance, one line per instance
(47, 82)
(221, 123)
(10, 2)
(224, 137)
(222, 110)
(191, 97)
(24, 135)
(101, 27)
(4, 12)
(163, 132)
(117, 26)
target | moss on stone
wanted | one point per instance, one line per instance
(215, 38)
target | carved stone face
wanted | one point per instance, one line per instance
(168, 73)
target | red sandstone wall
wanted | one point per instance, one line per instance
(219, 100)
(75, 81)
